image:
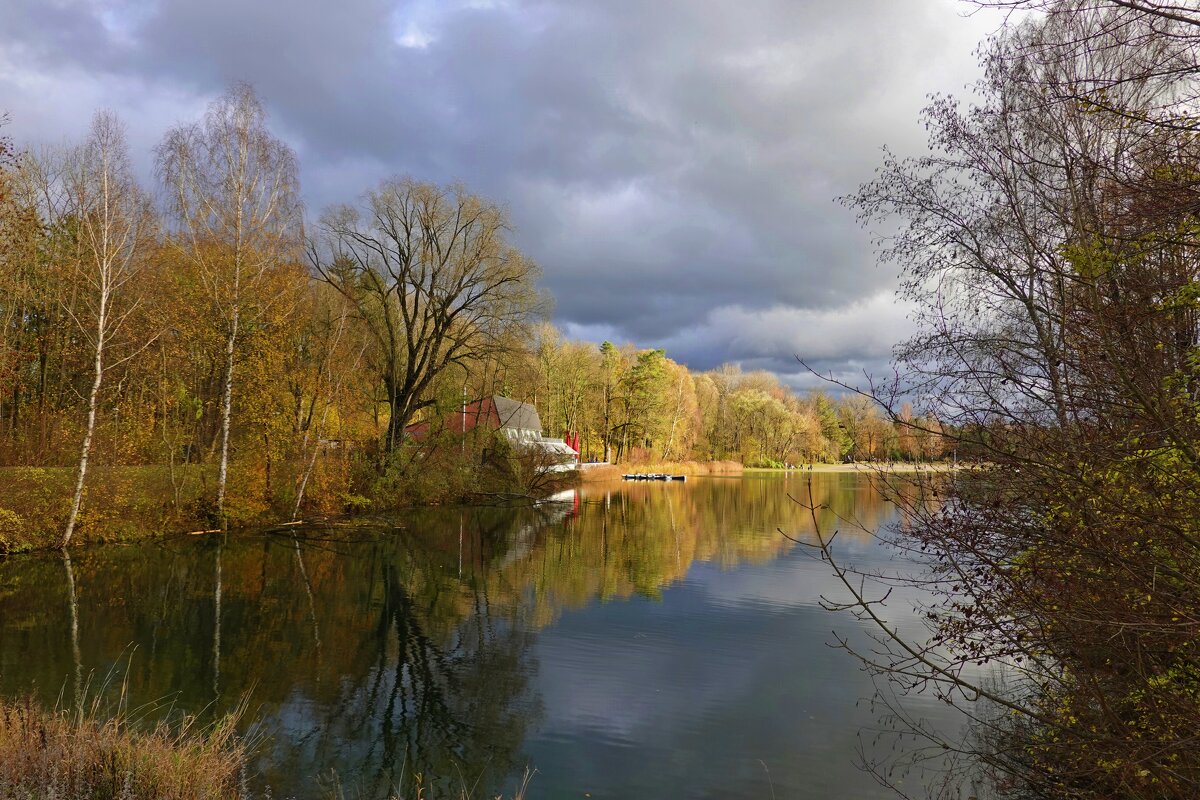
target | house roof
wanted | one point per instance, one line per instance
(494, 412)
(516, 415)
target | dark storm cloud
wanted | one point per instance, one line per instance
(671, 164)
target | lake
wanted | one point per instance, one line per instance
(635, 640)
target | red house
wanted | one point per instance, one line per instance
(517, 420)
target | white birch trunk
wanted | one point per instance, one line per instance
(226, 413)
(102, 194)
(335, 388)
(674, 420)
(77, 499)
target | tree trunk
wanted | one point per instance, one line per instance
(607, 430)
(16, 411)
(267, 493)
(308, 469)
(674, 420)
(226, 413)
(398, 417)
(98, 366)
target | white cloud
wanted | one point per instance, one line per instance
(414, 36)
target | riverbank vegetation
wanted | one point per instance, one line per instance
(76, 755)
(1051, 240)
(213, 359)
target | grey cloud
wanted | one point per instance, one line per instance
(663, 161)
(778, 338)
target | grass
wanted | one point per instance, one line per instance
(418, 791)
(127, 503)
(53, 754)
(62, 755)
(121, 504)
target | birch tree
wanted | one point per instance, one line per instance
(683, 404)
(233, 192)
(113, 220)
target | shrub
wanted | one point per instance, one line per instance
(12, 527)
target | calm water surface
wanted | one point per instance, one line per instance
(637, 641)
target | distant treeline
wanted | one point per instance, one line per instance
(632, 404)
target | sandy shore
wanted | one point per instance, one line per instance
(880, 466)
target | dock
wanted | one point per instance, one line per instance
(653, 476)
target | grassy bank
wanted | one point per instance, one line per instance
(130, 503)
(120, 504)
(69, 755)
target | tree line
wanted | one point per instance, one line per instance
(202, 327)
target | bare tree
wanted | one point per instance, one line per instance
(1157, 44)
(433, 278)
(234, 193)
(1050, 242)
(114, 221)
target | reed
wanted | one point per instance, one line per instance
(72, 755)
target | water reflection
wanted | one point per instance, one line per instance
(627, 640)
(77, 659)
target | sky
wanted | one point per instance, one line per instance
(672, 165)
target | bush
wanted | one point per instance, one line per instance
(12, 526)
(433, 472)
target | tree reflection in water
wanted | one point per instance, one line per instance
(375, 655)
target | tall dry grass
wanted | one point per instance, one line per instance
(78, 755)
(73, 755)
(418, 791)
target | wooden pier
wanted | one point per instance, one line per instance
(653, 476)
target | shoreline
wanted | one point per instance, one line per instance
(137, 519)
(867, 466)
